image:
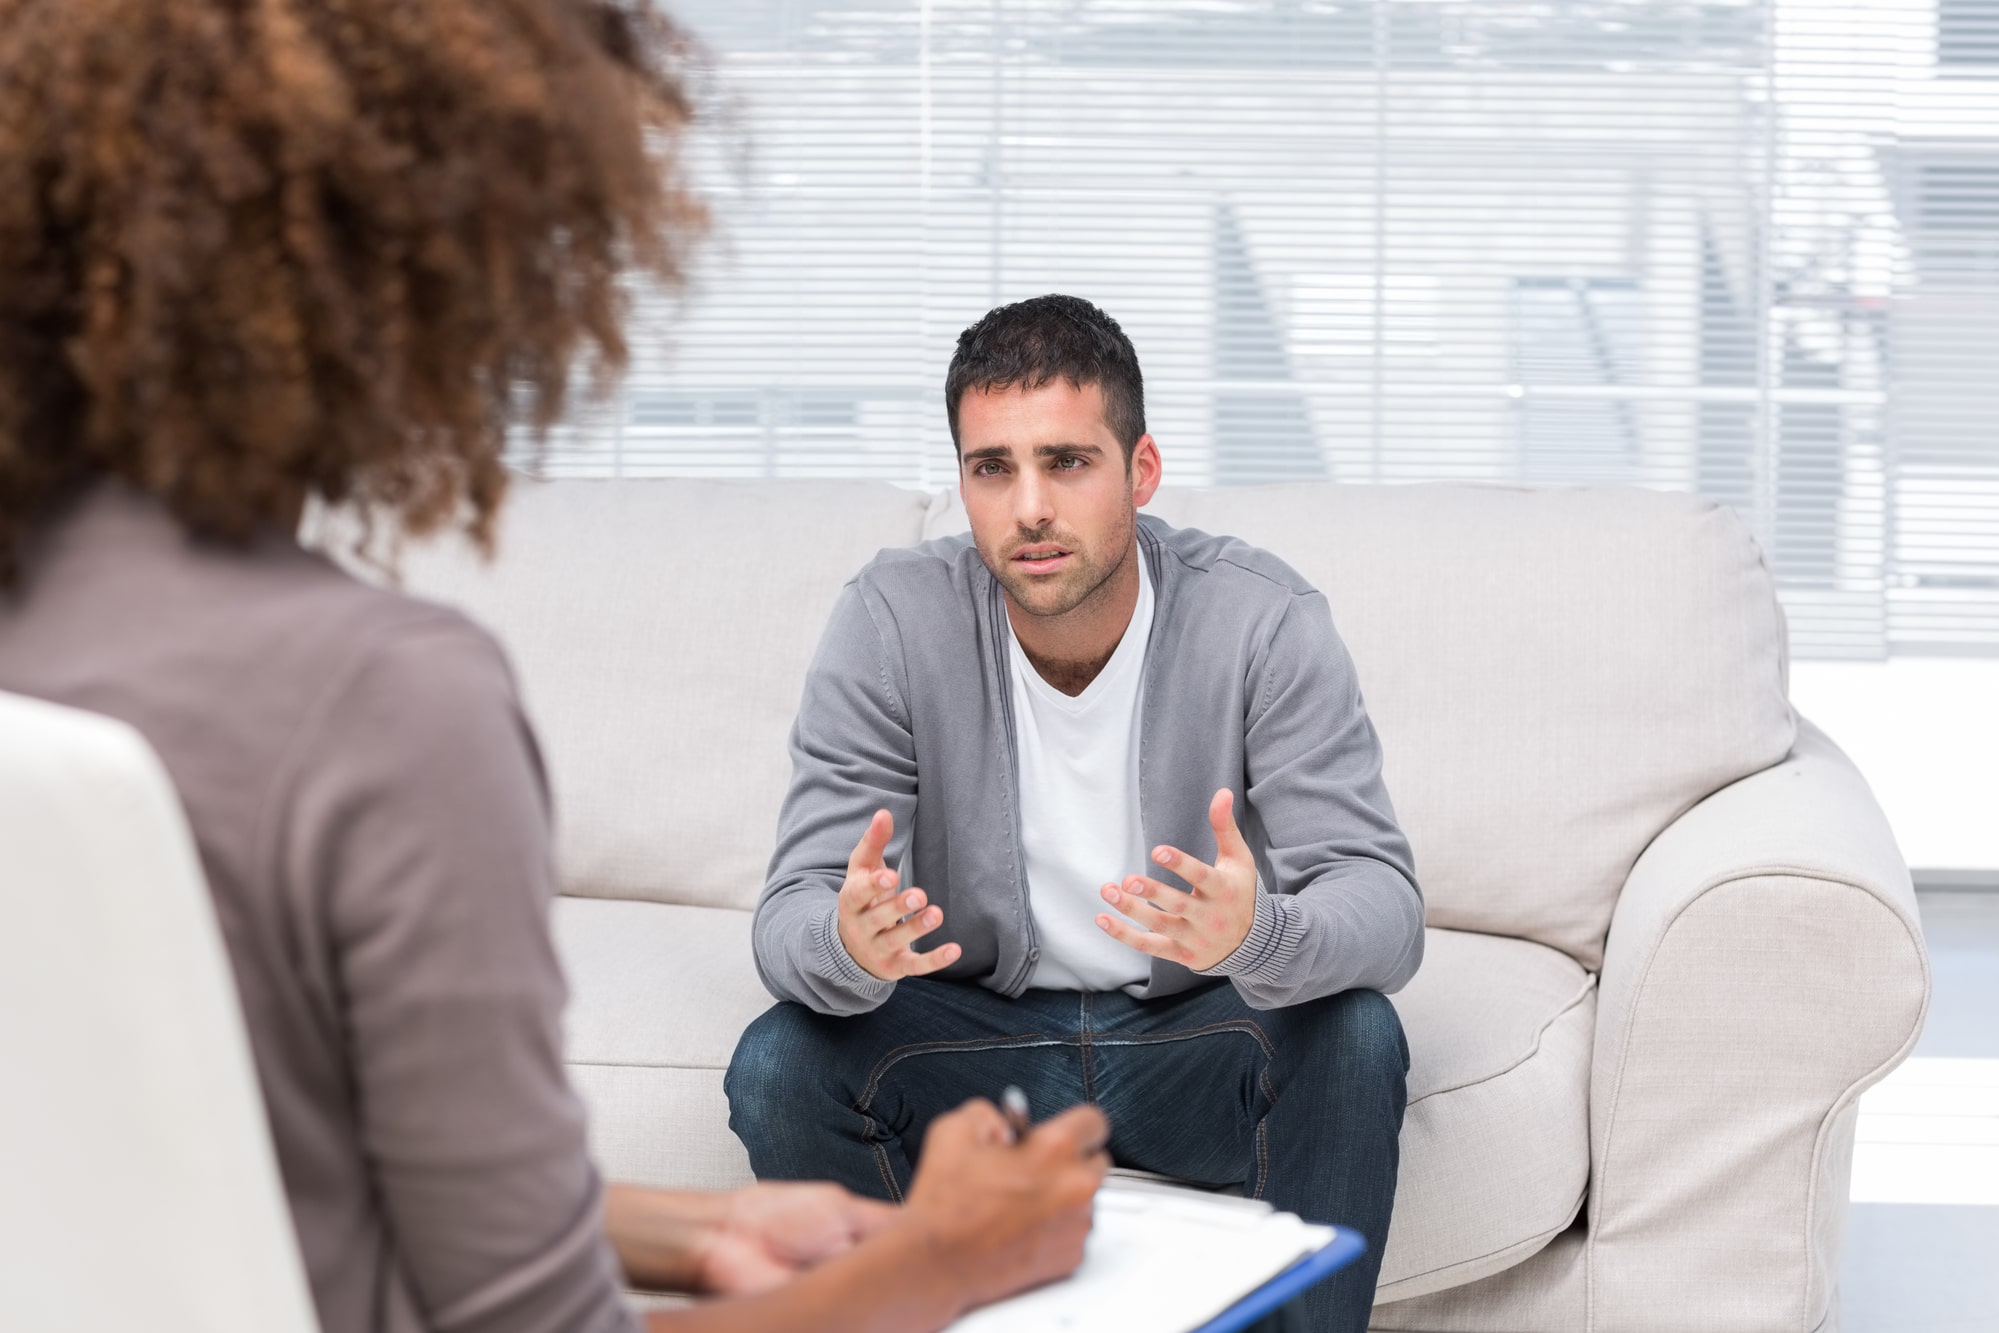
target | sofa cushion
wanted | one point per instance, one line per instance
(661, 632)
(659, 995)
(1555, 674)
(1495, 1143)
(1495, 1146)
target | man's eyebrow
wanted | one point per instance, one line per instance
(1002, 453)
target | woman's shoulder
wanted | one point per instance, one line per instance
(238, 652)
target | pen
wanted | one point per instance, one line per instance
(1013, 1105)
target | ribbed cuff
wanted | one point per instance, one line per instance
(1271, 944)
(839, 965)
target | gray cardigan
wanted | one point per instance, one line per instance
(1247, 686)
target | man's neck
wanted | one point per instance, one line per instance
(1072, 649)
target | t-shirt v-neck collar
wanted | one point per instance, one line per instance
(1125, 658)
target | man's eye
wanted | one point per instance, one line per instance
(1070, 462)
(986, 469)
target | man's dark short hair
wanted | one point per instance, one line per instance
(1031, 343)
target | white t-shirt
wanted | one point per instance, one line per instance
(1079, 815)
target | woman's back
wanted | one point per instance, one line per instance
(372, 820)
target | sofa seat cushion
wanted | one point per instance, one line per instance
(1495, 1146)
(658, 996)
(1495, 1143)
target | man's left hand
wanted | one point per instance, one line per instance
(1198, 929)
(768, 1234)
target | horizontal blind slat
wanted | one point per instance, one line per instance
(1748, 248)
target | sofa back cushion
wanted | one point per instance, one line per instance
(661, 632)
(1555, 674)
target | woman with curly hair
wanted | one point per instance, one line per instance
(256, 252)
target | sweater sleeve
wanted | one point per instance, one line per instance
(1343, 911)
(419, 828)
(852, 754)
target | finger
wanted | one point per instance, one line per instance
(908, 932)
(1145, 941)
(1080, 1131)
(863, 893)
(866, 1217)
(1144, 913)
(887, 913)
(868, 851)
(1196, 872)
(812, 1222)
(880, 887)
(978, 1121)
(1162, 896)
(1088, 1174)
(750, 1271)
(1229, 845)
(910, 963)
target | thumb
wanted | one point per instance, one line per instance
(1078, 1132)
(868, 851)
(867, 1216)
(1221, 817)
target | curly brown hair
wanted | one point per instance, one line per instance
(258, 250)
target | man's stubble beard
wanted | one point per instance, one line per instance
(1088, 578)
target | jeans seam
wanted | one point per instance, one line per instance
(883, 1165)
(1263, 1131)
(901, 1053)
(1247, 1028)
(876, 1134)
(1243, 1026)
(1083, 1037)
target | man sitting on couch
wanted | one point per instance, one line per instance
(1022, 719)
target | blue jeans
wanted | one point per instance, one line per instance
(1301, 1106)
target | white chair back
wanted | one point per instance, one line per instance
(138, 1187)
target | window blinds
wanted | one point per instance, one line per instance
(1748, 248)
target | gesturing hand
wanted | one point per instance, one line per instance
(1197, 929)
(872, 913)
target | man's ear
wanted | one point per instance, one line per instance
(1146, 469)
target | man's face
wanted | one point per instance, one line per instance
(1052, 503)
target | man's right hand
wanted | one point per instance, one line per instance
(1007, 1216)
(872, 909)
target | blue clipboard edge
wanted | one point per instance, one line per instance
(1345, 1247)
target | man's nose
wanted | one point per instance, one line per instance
(1033, 501)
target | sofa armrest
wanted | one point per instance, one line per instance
(1765, 965)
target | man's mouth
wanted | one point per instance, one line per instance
(1041, 559)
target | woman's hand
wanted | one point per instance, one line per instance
(737, 1243)
(768, 1234)
(1002, 1216)
(987, 1216)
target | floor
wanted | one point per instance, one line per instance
(1922, 1248)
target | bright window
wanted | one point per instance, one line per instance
(1743, 247)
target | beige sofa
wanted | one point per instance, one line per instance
(1671, 938)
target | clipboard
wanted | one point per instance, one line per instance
(1135, 1273)
(1345, 1247)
